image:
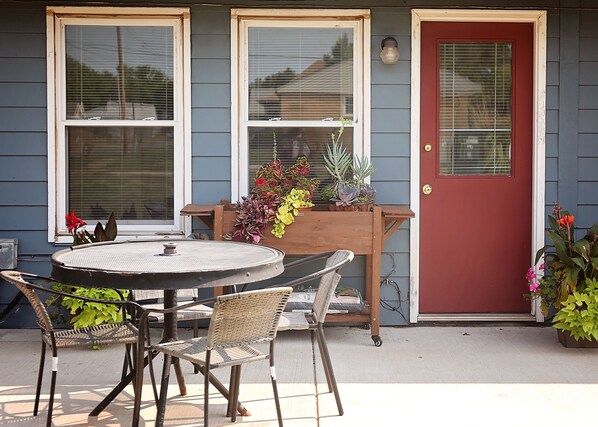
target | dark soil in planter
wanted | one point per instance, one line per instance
(568, 341)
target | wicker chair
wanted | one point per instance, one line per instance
(193, 313)
(238, 320)
(314, 320)
(102, 335)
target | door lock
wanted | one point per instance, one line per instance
(427, 189)
(428, 147)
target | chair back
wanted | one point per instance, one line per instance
(246, 317)
(157, 294)
(328, 283)
(41, 314)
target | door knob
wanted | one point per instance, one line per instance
(428, 148)
(427, 189)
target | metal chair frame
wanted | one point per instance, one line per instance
(314, 321)
(113, 333)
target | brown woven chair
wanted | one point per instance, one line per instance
(314, 320)
(238, 320)
(101, 335)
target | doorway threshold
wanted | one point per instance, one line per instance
(476, 317)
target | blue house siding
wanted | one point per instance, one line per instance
(571, 125)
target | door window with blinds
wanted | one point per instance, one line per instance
(475, 108)
(298, 79)
(119, 124)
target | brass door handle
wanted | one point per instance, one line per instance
(427, 189)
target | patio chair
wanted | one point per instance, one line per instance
(314, 320)
(238, 321)
(101, 335)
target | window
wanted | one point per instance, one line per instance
(119, 138)
(300, 72)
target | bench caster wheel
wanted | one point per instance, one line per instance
(377, 340)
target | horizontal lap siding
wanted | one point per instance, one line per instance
(587, 211)
(23, 145)
(210, 95)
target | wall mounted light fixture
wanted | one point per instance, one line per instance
(390, 50)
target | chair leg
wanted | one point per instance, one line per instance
(274, 386)
(231, 391)
(233, 397)
(206, 388)
(326, 361)
(322, 357)
(195, 335)
(52, 386)
(163, 390)
(40, 375)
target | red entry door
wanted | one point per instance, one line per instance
(476, 167)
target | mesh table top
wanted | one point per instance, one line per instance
(145, 265)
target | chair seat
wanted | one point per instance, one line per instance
(293, 321)
(196, 312)
(101, 335)
(194, 350)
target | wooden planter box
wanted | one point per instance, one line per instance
(321, 230)
(568, 341)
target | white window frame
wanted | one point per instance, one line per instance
(241, 21)
(56, 19)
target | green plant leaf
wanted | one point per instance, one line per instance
(582, 247)
(561, 248)
(99, 233)
(111, 228)
(540, 253)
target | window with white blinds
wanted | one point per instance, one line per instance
(475, 108)
(297, 78)
(119, 134)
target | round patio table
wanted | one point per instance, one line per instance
(167, 264)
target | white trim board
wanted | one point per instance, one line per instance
(538, 19)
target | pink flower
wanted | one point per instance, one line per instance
(531, 274)
(534, 286)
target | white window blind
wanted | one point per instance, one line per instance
(475, 108)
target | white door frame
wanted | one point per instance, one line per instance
(538, 19)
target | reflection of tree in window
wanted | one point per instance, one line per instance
(89, 92)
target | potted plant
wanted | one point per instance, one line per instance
(570, 268)
(84, 313)
(278, 195)
(348, 190)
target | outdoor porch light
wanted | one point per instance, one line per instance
(390, 50)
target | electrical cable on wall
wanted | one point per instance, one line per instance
(386, 281)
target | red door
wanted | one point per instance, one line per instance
(476, 167)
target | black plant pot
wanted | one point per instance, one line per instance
(568, 341)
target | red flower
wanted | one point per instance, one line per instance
(73, 222)
(260, 182)
(566, 221)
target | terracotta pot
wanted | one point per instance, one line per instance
(568, 341)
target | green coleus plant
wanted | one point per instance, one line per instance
(86, 313)
(289, 209)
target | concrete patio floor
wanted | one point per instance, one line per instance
(465, 375)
